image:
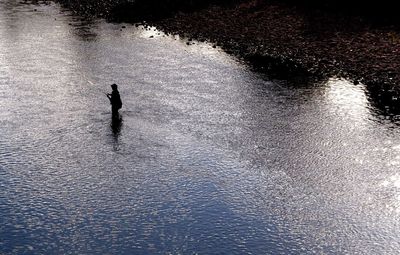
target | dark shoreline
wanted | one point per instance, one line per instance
(279, 36)
(282, 37)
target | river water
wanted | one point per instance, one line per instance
(209, 158)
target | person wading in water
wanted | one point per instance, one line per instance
(115, 100)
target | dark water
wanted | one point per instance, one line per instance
(209, 158)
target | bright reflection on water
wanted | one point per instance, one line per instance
(209, 158)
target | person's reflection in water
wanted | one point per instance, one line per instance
(116, 124)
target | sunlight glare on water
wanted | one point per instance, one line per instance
(348, 99)
(209, 158)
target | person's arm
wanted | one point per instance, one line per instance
(109, 97)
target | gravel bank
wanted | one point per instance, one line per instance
(296, 39)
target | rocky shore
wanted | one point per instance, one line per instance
(285, 37)
(279, 37)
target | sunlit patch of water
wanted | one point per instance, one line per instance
(348, 100)
(149, 32)
(391, 187)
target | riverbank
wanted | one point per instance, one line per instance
(281, 36)
(277, 37)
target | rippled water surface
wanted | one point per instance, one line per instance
(209, 158)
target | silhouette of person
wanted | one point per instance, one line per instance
(115, 100)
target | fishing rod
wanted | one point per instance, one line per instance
(101, 91)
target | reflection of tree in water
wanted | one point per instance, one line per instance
(277, 69)
(83, 28)
(385, 102)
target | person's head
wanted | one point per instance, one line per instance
(114, 86)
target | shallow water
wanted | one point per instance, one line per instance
(209, 157)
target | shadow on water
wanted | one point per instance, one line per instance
(385, 103)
